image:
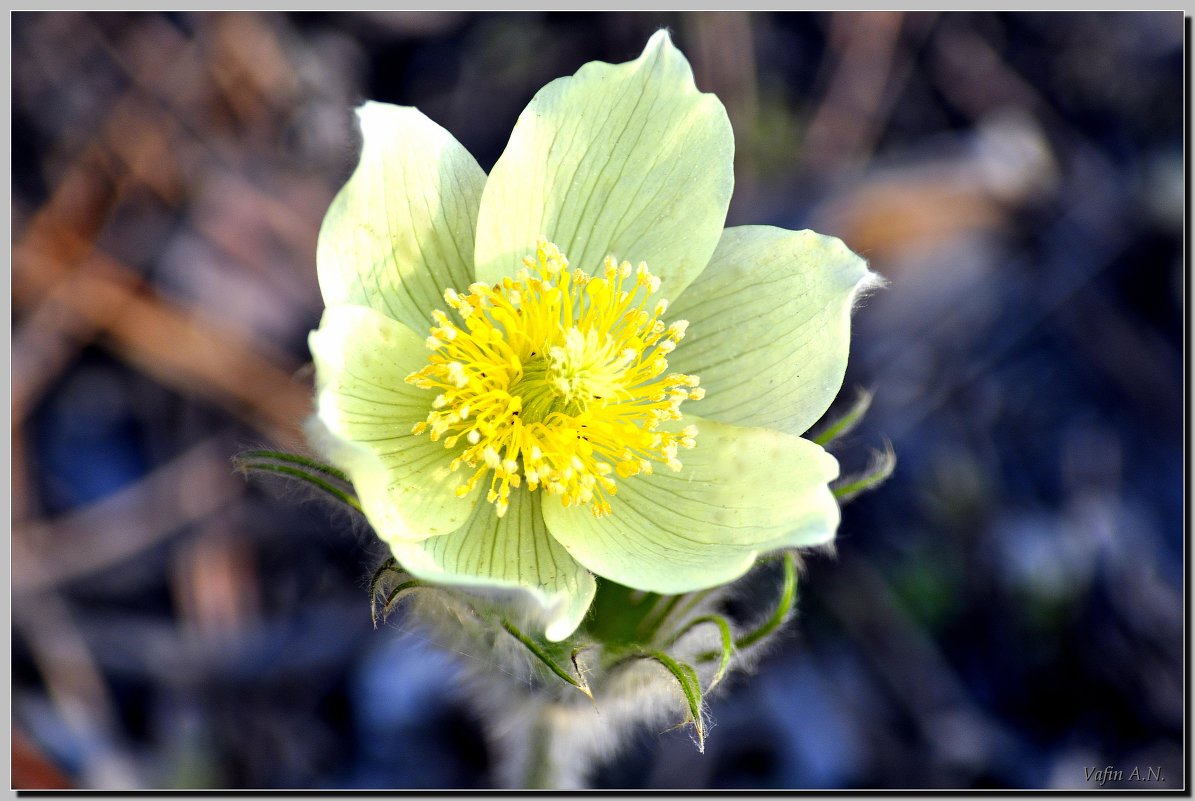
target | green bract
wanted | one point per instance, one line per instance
(626, 160)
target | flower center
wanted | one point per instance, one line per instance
(557, 380)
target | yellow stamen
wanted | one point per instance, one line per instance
(556, 379)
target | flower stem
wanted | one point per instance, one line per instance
(656, 617)
(539, 755)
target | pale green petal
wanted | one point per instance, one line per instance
(741, 491)
(512, 551)
(364, 414)
(627, 160)
(401, 230)
(770, 326)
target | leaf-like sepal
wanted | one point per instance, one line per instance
(878, 469)
(323, 477)
(847, 421)
(788, 598)
(686, 677)
(727, 639)
(537, 650)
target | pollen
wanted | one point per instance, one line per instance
(556, 380)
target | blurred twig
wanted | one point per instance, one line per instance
(724, 64)
(216, 587)
(908, 660)
(67, 292)
(854, 108)
(31, 769)
(121, 526)
(175, 347)
(77, 689)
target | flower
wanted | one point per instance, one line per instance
(500, 376)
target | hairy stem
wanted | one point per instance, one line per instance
(539, 774)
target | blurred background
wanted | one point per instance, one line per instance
(1007, 611)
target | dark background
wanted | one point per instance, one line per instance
(1007, 611)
